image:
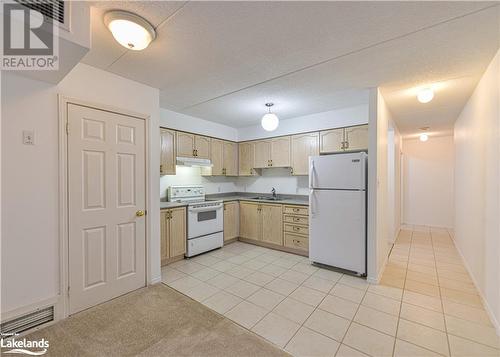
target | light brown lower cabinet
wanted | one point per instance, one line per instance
(261, 222)
(250, 222)
(231, 220)
(173, 233)
(272, 231)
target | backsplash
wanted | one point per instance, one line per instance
(279, 178)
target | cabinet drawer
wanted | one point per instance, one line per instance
(296, 242)
(303, 211)
(296, 220)
(296, 229)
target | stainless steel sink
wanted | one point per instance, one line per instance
(267, 198)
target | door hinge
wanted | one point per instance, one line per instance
(67, 128)
(68, 290)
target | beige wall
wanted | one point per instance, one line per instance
(477, 194)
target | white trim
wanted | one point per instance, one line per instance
(487, 307)
(155, 281)
(12, 314)
(373, 280)
(63, 304)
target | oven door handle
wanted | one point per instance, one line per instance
(205, 209)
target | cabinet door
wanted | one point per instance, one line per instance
(167, 153)
(164, 235)
(246, 159)
(177, 231)
(262, 153)
(216, 156)
(331, 140)
(202, 147)
(231, 220)
(280, 152)
(230, 158)
(303, 146)
(185, 144)
(356, 137)
(250, 221)
(272, 227)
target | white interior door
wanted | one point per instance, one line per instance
(106, 186)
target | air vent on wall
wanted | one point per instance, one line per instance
(27, 321)
(52, 9)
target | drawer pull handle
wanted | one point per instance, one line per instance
(296, 228)
(296, 220)
(296, 210)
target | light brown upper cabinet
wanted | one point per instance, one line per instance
(167, 153)
(246, 162)
(344, 139)
(280, 152)
(356, 138)
(190, 145)
(217, 157)
(230, 158)
(303, 146)
(231, 220)
(262, 153)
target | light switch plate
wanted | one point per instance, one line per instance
(28, 137)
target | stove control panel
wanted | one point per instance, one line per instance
(186, 193)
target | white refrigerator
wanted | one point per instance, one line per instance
(337, 211)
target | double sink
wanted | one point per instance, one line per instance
(266, 198)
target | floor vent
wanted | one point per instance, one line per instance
(52, 9)
(27, 321)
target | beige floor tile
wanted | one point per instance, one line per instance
(259, 278)
(293, 310)
(224, 266)
(424, 301)
(205, 260)
(347, 292)
(243, 289)
(422, 277)
(266, 298)
(328, 324)
(184, 284)
(222, 302)
(273, 270)
(306, 268)
(222, 281)
(240, 272)
(281, 286)
(284, 263)
(466, 348)
(461, 297)
(387, 291)
(346, 351)
(190, 267)
(308, 343)
(339, 306)
(406, 349)
(246, 314)
(276, 329)
(308, 296)
(394, 282)
(294, 276)
(238, 259)
(202, 291)
(422, 268)
(422, 288)
(382, 303)
(377, 320)
(254, 264)
(445, 274)
(466, 312)
(354, 282)
(423, 316)
(472, 331)
(328, 275)
(423, 336)
(319, 284)
(205, 274)
(169, 275)
(369, 341)
(458, 285)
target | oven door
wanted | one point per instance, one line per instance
(205, 220)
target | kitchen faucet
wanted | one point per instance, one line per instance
(273, 191)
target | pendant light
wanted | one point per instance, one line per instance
(270, 120)
(129, 30)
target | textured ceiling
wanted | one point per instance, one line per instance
(222, 61)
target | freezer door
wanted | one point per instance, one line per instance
(338, 171)
(337, 229)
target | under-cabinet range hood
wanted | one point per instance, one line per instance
(193, 162)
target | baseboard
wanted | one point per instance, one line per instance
(155, 280)
(376, 280)
(487, 307)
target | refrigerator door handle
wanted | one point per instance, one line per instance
(311, 173)
(311, 204)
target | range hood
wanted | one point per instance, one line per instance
(194, 162)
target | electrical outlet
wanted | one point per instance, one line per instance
(28, 137)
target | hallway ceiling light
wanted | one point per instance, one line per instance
(424, 137)
(129, 30)
(270, 120)
(425, 95)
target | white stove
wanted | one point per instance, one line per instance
(205, 219)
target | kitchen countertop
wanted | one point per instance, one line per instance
(244, 196)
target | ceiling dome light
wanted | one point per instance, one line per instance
(270, 120)
(129, 30)
(424, 137)
(425, 95)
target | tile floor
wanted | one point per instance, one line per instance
(425, 305)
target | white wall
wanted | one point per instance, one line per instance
(319, 121)
(428, 181)
(30, 241)
(173, 120)
(477, 194)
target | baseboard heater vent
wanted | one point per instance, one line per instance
(28, 321)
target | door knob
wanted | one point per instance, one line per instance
(140, 213)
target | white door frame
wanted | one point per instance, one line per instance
(62, 308)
